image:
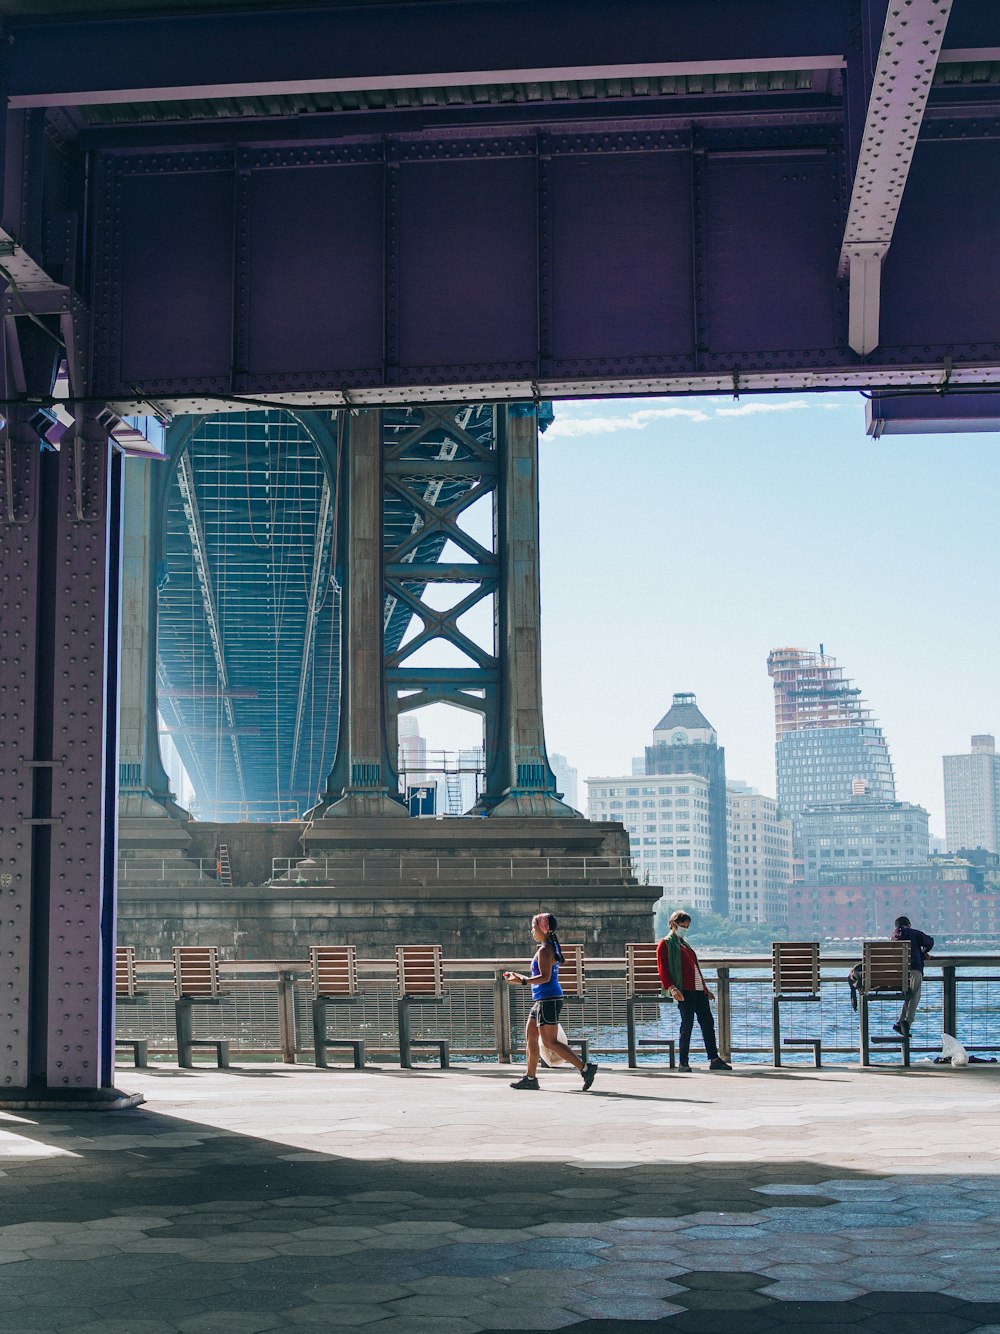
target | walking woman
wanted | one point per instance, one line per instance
(681, 976)
(547, 995)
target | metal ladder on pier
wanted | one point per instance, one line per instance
(222, 866)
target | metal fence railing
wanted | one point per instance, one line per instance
(266, 1009)
(335, 871)
(174, 869)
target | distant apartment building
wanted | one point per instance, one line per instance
(675, 813)
(840, 837)
(412, 746)
(566, 779)
(666, 818)
(945, 897)
(685, 742)
(760, 857)
(827, 742)
(972, 797)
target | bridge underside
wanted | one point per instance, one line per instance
(249, 587)
(391, 203)
(387, 205)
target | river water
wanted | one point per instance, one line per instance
(832, 1019)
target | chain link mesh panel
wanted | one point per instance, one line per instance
(249, 1015)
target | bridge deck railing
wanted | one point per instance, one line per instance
(336, 871)
(266, 1011)
(179, 868)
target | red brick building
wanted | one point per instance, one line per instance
(944, 898)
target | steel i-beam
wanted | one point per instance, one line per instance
(911, 43)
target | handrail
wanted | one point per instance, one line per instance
(733, 977)
(207, 867)
(320, 872)
(607, 964)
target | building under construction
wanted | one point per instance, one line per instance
(828, 745)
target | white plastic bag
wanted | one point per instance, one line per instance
(553, 1057)
(953, 1050)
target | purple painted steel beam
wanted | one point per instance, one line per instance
(648, 254)
(20, 775)
(932, 413)
(82, 865)
(158, 58)
(973, 30)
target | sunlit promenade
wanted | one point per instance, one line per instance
(273, 1197)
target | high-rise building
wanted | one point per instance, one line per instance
(675, 813)
(828, 746)
(566, 779)
(666, 819)
(972, 797)
(760, 857)
(685, 742)
(412, 747)
(842, 837)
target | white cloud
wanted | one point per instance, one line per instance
(634, 421)
(568, 424)
(767, 405)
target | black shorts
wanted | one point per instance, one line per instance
(546, 1011)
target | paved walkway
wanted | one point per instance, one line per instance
(286, 1198)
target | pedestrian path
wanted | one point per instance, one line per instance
(286, 1198)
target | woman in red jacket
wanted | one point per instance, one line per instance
(681, 976)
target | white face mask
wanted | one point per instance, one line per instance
(680, 930)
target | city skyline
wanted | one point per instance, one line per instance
(683, 539)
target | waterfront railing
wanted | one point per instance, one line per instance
(266, 1011)
(335, 872)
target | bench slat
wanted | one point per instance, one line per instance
(196, 970)
(419, 971)
(334, 970)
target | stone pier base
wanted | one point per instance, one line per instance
(467, 884)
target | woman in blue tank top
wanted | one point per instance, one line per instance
(546, 993)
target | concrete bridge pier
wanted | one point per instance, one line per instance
(362, 781)
(521, 768)
(149, 818)
(59, 565)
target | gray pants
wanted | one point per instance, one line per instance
(909, 1009)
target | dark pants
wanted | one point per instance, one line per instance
(696, 1005)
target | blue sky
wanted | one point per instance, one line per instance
(682, 539)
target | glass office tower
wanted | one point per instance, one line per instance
(828, 746)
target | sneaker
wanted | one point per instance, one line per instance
(719, 1064)
(525, 1082)
(588, 1072)
(903, 1028)
(684, 1068)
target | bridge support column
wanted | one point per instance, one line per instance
(523, 775)
(362, 781)
(59, 562)
(143, 785)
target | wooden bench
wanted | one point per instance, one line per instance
(419, 981)
(643, 985)
(196, 982)
(794, 977)
(815, 1043)
(127, 992)
(139, 1048)
(334, 976)
(885, 975)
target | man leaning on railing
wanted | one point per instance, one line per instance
(920, 946)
